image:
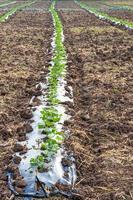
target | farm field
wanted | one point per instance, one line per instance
(66, 109)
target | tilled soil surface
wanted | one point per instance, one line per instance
(100, 72)
(40, 5)
(67, 4)
(88, 18)
(24, 56)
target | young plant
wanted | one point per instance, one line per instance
(38, 162)
(49, 117)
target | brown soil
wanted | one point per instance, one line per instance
(44, 5)
(83, 22)
(24, 50)
(67, 4)
(100, 72)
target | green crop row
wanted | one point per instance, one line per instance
(6, 3)
(5, 16)
(121, 8)
(117, 7)
(49, 115)
(103, 15)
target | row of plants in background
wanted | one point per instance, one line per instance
(5, 16)
(2, 4)
(49, 115)
(105, 16)
(117, 7)
(121, 8)
(58, 60)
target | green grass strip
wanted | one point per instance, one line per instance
(103, 15)
(49, 115)
(5, 16)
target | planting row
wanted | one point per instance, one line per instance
(121, 12)
(105, 16)
(6, 3)
(50, 114)
(120, 7)
(13, 10)
(46, 160)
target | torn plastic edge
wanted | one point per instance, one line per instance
(39, 195)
